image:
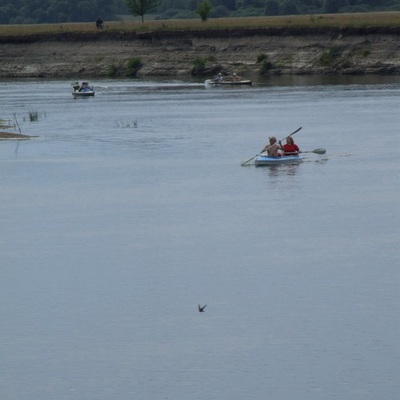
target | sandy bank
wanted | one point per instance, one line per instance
(14, 136)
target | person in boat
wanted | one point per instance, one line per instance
(272, 148)
(290, 148)
(84, 86)
(236, 77)
(99, 23)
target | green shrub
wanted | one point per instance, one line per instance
(112, 71)
(199, 65)
(261, 58)
(265, 66)
(134, 65)
(331, 55)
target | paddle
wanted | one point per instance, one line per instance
(252, 158)
(316, 151)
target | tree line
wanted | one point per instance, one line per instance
(58, 11)
(250, 8)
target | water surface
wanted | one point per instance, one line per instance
(131, 208)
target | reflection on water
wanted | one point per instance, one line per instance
(325, 80)
(282, 169)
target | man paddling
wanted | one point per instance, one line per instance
(272, 148)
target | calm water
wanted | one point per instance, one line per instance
(132, 208)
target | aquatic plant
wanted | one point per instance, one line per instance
(33, 116)
(127, 124)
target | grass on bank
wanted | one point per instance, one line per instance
(354, 20)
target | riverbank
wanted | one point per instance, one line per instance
(173, 53)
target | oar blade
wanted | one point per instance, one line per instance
(319, 151)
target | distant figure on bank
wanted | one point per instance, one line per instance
(290, 148)
(99, 23)
(272, 148)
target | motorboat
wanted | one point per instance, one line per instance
(231, 79)
(82, 90)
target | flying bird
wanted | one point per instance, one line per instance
(201, 309)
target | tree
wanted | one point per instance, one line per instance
(334, 6)
(220, 12)
(141, 7)
(271, 7)
(289, 7)
(229, 4)
(204, 9)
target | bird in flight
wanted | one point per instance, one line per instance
(201, 309)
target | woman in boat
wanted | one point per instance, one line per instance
(290, 148)
(272, 148)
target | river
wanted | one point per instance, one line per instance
(131, 208)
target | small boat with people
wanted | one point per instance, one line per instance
(82, 90)
(227, 79)
(274, 153)
(264, 159)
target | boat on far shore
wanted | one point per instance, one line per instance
(230, 79)
(82, 90)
